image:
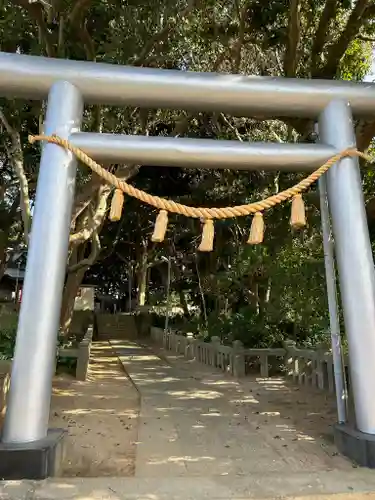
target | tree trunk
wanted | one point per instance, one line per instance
(71, 288)
(264, 294)
(203, 303)
(256, 298)
(4, 238)
(72, 284)
(142, 278)
(268, 291)
(179, 276)
(88, 228)
(183, 302)
(130, 287)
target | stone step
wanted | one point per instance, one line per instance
(116, 327)
(113, 336)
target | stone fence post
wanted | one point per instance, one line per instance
(189, 349)
(216, 342)
(320, 365)
(83, 358)
(238, 359)
(165, 340)
(263, 358)
(291, 364)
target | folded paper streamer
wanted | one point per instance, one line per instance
(298, 216)
(256, 230)
(116, 205)
(160, 228)
(208, 235)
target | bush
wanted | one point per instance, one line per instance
(253, 330)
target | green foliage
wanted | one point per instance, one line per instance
(66, 365)
(8, 330)
(356, 63)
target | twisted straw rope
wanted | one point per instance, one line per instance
(199, 212)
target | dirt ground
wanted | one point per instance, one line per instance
(313, 412)
(100, 415)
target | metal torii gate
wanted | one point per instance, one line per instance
(70, 84)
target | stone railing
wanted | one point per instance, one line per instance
(312, 367)
(81, 353)
(304, 366)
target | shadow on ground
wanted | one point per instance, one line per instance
(100, 415)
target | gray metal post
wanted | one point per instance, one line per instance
(354, 260)
(202, 153)
(100, 83)
(34, 360)
(329, 263)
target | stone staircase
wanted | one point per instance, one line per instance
(116, 326)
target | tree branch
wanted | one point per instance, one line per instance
(365, 38)
(6, 124)
(36, 11)
(83, 199)
(79, 24)
(359, 15)
(121, 257)
(88, 42)
(60, 38)
(16, 156)
(232, 127)
(126, 172)
(237, 47)
(329, 13)
(294, 34)
(97, 219)
(163, 34)
(91, 259)
(78, 11)
(115, 241)
(365, 132)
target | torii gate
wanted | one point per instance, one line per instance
(26, 441)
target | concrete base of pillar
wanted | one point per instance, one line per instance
(36, 460)
(356, 445)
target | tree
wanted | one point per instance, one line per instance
(312, 39)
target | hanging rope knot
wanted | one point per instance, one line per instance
(298, 216)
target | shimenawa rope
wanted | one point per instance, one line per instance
(207, 214)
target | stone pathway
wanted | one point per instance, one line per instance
(303, 486)
(203, 435)
(194, 422)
